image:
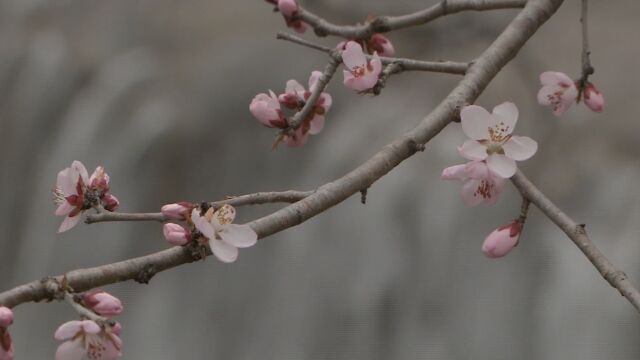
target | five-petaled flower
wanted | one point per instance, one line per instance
(361, 74)
(76, 192)
(86, 337)
(491, 138)
(6, 344)
(480, 182)
(224, 237)
(502, 240)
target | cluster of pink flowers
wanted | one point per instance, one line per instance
(267, 108)
(210, 227)
(289, 9)
(561, 92)
(76, 192)
(87, 337)
(6, 344)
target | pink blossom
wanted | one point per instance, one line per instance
(87, 338)
(380, 44)
(110, 202)
(502, 240)
(176, 234)
(558, 90)
(362, 74)
(6, 317)
(102, 303)
(491, 138)
(6, 345)
(224, 237)
(266, 109)
(288, 8)
(593, 98)
(177, 211)
(480, 182)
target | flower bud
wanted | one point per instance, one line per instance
(110, 202)
(6, 317)
(176, 234)
(380, 44)
(593, 98)
(502, 240)
(116, 328)
(177, 211)
(103, 303)
(288, 8)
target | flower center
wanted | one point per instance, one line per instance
(358, 71)
(484, 189)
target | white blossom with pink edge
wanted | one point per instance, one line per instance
(224, 237)
(558, 90)
(362, 74)
(491, 138)
(87, 338)
(480, 182)
(266, 108)
(502, 240)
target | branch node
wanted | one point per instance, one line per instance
(145, 275)
(363, 196)
(415, 146)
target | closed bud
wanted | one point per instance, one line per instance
(176, 234)
(103, 303)
(6, 317)
(593, 98)
(110, 202)
(502, 240)
(177, 211)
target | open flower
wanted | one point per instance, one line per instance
(502, 240)
(102, 303)
(491, 138)
(224, 237)
(558, 90)
(266, 109)
(480, 182)
(87, 338)
(362, 74)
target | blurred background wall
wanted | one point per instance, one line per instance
(153, 89)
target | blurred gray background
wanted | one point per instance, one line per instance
(153, 89)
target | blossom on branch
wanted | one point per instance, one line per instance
(6, 344)
(491, 139)
(177, 211)
(176, 234)
(377, 43)
(480, 182)
(362, 74)
(102, 303)
(561, 92)
(224, 238)
(502, 240)
(86, 337)
(76, 192)
(593, 98)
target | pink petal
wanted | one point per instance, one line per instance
(223, 251)
(546, 94)
(499, 243)
(469, 195)
(478, 170)
(79, 168)
(202, 224)
(555, 78)
(376, 66)
(506, 115)
(520, 148)
(327, 101)
(502, 165)
(317, 124)
(65, 182)
(69, 222)
(68, 330)
(240, 236)
(475, 122)
(313, 79)
(593, 98)
(352, 56)
(294, 87)
(6, 317)
(473, 150)
(112, 346)
(71, 350)
(455, 172)
(287, 7)
(64, 208)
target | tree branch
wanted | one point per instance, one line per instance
(388, 23)
(578, 234)
(503, 49)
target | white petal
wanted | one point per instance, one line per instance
(473, 150)
(294, 87)
(506, 115)
(546, 93)
(65, 183)
(520, 148)
(223, 251)
(69, 222)
(71, 350)
(475, 122)
(353, 56)
(68, 330)
(502, 165)
(455, 172)
(241, 236)
(555, 78)
(202, 224)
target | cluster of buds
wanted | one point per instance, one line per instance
(289, 9)
(6, 345)
(268, 109)
(561, 92)
(76, 192)
(210, 227)
(96, 340)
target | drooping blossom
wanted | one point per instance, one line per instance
(87, 338)
(177, 211)
(176, 234)
(593, 98)
(361, 74)
(558, 90)
(224, 238)
(76, 192)
(491, 138)
(102, 303)
(266, 108)
(480, 182)
(6, 343)
(502, 240)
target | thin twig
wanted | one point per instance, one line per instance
(587, 68)
(578, 235)
(289, 196)
(384, 76)
(388, 23)
(83, 311)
